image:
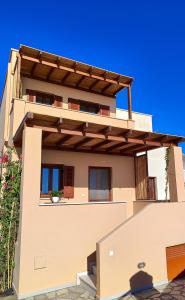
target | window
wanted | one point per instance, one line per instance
(57, 178)
(44, 98)
(51, 179)
(99, 184)
(89, 107)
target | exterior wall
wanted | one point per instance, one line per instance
(156, 168)
(55, 240)
(123, 178)
(183, 159)
(139, 240)
(142, 121)
(176, 175)
(67, 92)
(7, 95)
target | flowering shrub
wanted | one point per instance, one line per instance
(10, 176)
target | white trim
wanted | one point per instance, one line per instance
(81, 203)
(123, 293)
(135, 112)
(78, 275)
(44, 291)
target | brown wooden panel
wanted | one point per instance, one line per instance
(74, 104)
(31, 95)
(151, 188)
(68, 182)
(175, 258)
(141, 171)
(105, 110)
(57, 101)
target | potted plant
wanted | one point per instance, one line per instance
(55, 196)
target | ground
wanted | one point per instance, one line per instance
(173, 291)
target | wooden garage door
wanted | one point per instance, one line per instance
(175, 257)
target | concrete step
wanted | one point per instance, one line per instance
(89, 283)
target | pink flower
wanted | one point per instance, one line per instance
(5, 185)
(4, 159)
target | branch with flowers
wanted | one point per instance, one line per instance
(10, 179)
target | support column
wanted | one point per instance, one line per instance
(29, 199)
(129, 103)
(175, 175)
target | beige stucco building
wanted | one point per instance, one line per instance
(61, 116)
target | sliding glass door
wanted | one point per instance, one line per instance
(99, 184)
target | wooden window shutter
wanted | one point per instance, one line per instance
(73, 104)
(105, 110)
(31, 95)
(57, 101)
(68, 182)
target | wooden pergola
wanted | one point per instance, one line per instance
(71, 135)
(40, 65)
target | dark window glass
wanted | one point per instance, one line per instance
(90, 108)
(99, 184)
(44, 99)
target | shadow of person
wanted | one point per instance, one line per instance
(142, 281)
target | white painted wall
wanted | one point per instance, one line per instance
(156, 168)
(142, 121)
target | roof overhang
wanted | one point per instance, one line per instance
(56, 69)
(72, 135)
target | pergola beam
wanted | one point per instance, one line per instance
(63, 140)
(100, 144)
(82, 143)
(102, 136)
(80, 81)
(73, 70)
(117, 146)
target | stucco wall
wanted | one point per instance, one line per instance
(123, 180)
(8, 93)
(67, 92)
(142, 121)
(139, 240)
(54, 241)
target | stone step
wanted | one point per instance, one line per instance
(88, 282)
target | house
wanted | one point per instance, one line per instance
(61, 117)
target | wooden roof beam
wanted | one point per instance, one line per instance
(144, 136)
(65, 78)
(45, 135)
(82, 143)
(106, 87)
(63, 140)
(106, 131)
(117, 146)
(100, 144)
(50, 73)
(93, 84)
(75, 70)
(80, 81)
(127, 133)
(133, 148)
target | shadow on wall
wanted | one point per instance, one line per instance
(143, 281)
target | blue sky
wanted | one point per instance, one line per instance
(144, 39)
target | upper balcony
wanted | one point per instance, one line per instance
(22, 106)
